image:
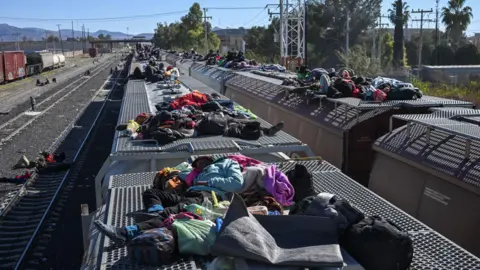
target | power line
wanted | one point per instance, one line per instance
(235, 8)
(141, 16)
(256, 16)
(95, 19)
(421, 11)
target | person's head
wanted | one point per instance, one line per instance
(201, 162)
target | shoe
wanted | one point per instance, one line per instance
(275, 129)
(114, 233)
(121, 127)
(22, 163)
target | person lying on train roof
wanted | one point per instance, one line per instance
(172, 196)
(167, 127)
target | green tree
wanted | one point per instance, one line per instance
(359, 61)
(446, 53)
(387, 50)
(101, 36)
(327, 24)
(392, 12)
(108, 37)
(188, 33)
(52, 38)
(456, 17)
(467, 55)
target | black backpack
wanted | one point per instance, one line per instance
(378, 244)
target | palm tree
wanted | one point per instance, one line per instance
(456, 17)
(399, 16)
(405, 10)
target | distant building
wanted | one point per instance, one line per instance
(231, 39)
(475, 39)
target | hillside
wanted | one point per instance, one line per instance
(35, 34)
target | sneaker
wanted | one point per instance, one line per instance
(115, 234)
(22, 163)
(121, 127)
(274, 129)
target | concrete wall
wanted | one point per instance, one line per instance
(72, 53)
(453, 75)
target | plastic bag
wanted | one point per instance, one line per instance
(195, 236)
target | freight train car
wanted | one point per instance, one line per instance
(44, 58)
(12, 66)
(61, 58)
(93, 52)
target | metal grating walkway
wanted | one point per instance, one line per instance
(136, 101)
(431, 250)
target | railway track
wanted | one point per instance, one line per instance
(26, 228)
(15, 125)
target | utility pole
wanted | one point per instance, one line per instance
(205, 18)
(347, 39)
(282, 53)
(83, 37)
(60, 34)
(437, 34)
(421, 11)
(46, 40)
(16, 40)
(73, 40)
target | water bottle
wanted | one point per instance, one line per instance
(172, 77)
(207, 213)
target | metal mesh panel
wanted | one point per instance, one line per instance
(134, 101)
(337, 183)
(444, 151)
(431, 250)
(124, 200)
(134, 179)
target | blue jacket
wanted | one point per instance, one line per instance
(225, 175)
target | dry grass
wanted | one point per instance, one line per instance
(470, 92)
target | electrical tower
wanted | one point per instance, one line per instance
(292, 32)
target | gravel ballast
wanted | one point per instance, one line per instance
(42, 133)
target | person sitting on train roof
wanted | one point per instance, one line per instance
(38, 83)
(54, 80)
(47, 81)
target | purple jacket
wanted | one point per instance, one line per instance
(277, 184)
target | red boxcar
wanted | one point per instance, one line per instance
(2, 78)
(13, 65)
(93, 52)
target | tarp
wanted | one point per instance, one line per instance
(281, 240)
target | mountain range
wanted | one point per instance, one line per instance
(8, 33)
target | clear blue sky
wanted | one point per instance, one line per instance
(107, 9)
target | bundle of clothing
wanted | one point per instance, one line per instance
(236, 60)
(197, 114)
(203, 208)
(344, 83)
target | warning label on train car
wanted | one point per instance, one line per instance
(437, 196)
